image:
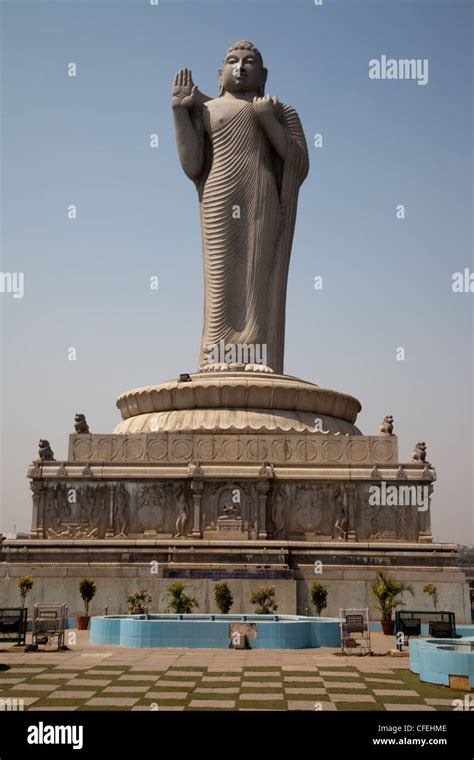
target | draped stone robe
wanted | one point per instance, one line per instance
(246, 259)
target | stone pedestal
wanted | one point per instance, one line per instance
(284, 452)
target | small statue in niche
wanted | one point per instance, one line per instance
(80, 424)
(278, 514)
(45, 452)
(340, 501)
(183, 513)
(121, 512)
(229, 512)
(419, 453)
(387, 425)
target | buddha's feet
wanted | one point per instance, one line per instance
(235, 367)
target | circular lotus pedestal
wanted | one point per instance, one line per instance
(237, 402)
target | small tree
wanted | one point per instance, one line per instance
(87, 590)
(388, 592)
(180, 603)
(264, 597)
(138, 602)
(432, 591)
(318, 596)
(223, 596)
(25, 584)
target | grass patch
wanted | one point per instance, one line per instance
(133, 682)
(194, 708)
(270, 704)
(172, 689)
(196, 696)
(257, 679)
(187, 668)
(265, 669)
(261, 690)
(412, 681)
(340, 669)
(359, 706)
(110, 667)
(343, 690)
(58, 703)
(103, 708)
(179, 679)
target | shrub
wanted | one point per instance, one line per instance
(264, 598)
(389, 593)
(180, 603)
(25, 584)
(318, 596)
(138, 602)
(223, 597)
(87, 590)
(432, 591)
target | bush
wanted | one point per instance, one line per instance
(180, 603)
(388, 593)
(87, 590)
(318, 596)
(25, 584)
(432, 591)
(223, 597)
(138, 602)
(264, 597)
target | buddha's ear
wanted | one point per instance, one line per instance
(219, 79)
(264, 79)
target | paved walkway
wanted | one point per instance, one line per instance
(92, 677)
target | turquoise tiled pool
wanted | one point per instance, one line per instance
(214, 631)
(435, 660)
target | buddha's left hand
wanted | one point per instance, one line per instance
(265, 106)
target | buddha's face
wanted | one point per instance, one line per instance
(242, 71)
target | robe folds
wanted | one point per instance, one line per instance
(248, 197)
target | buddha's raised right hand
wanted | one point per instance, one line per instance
(183, 94)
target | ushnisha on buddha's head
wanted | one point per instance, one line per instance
(243, 70)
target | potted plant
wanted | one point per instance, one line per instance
(87, 589)
(138, 602)
(318, 596)
(432, 590)
(180, 603)
(264, 598)
(223, 597)
(25, 584)
(388, 592)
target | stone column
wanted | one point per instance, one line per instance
(109, 532)
(38, 488)
(262, 490)
(197, 487)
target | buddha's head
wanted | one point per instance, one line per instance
(243, 70)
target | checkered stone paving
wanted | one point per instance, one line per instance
(137, 684)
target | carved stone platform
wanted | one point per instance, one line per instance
(237, 402)
(237, 456)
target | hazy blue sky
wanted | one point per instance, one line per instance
(387, 282)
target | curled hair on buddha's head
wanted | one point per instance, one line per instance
(244, 45)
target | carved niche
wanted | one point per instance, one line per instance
(75, 511)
